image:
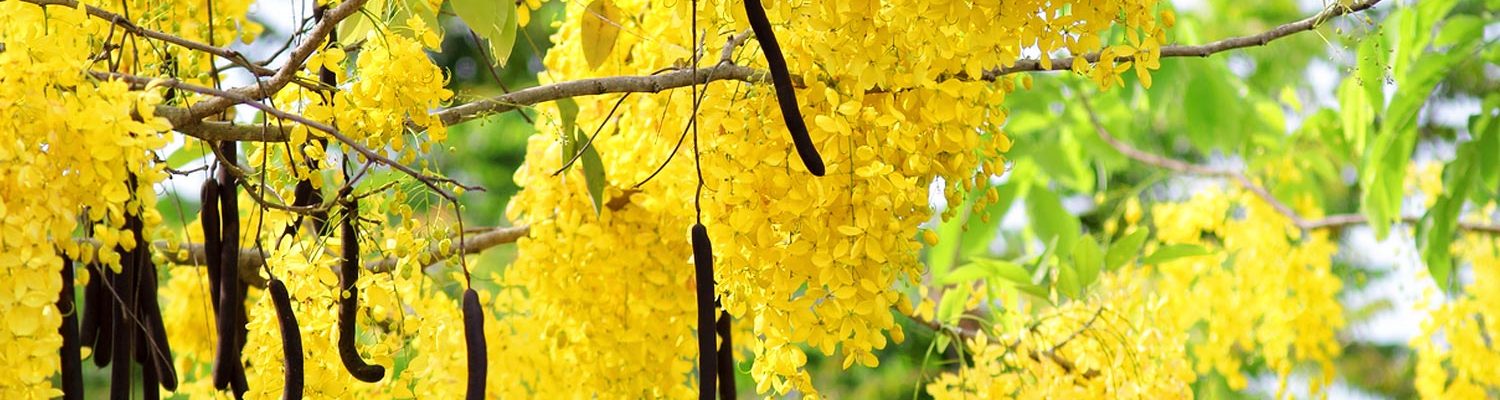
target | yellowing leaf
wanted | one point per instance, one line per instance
(601, 27)
(495, 21)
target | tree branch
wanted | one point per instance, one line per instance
(260, 90)
(1329, 222)
(1334, 9)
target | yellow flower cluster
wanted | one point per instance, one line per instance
(1265, 290)
(1456, 352)
(70, 144)
(396, 82)
(395, 86)
(1115, 344)
(223, 21)
(894, 102)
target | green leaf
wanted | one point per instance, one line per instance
(1006, 270)
(1175, 251)
(1069, 284)
(952, 238)
(1051, 221)
(1355, 113)
(361, 23)
(951, 307)
(977, 232)
(593, 174)
(1125, 249)
(1486, 128)
(1035, 291)
(1371, 68)
(495, 21)
(1435, 233)
(568, 110)
(182, 156)
(1088, 259)
(601, 28)
(966, 273)
(1459, 30)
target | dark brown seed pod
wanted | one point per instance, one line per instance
(72, 364)
(213, 244)
(474, 339)
(150, 384)
(303, 196)
(159, 349)
(782, 81)
(349, 302)
(124, 326)
(238, 383)
(726, 355)
(703, 263)
(109, 314)
(291, 340)
(93, 313)
(226, 364)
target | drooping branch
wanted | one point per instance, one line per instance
(1338, 221)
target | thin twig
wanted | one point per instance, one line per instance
(260, 90)
(130, 26)
(1334, 9)
(428, 180)
(1334, 222)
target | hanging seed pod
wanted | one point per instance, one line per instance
(306, 195)
(703, 263)
(150, 384)
(125, 329)
(782, 81)
(474, 340)
(227, 362)
(726, 355)
(237, 382)
(213, 244)
(72, 363)
(291, 340)
(159, 350)
(349, 302)
(108, 314)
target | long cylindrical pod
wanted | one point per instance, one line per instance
(72, 363)
(158, 349)
(291, 340)
(781, 79)
(349, 301)
(226, 364)
(237, 381)
(474, 340)
(103, 300)
(213, 244)
(125, 330)
(93, 307)
(726, 355)
(150, 383)
(703, 275)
